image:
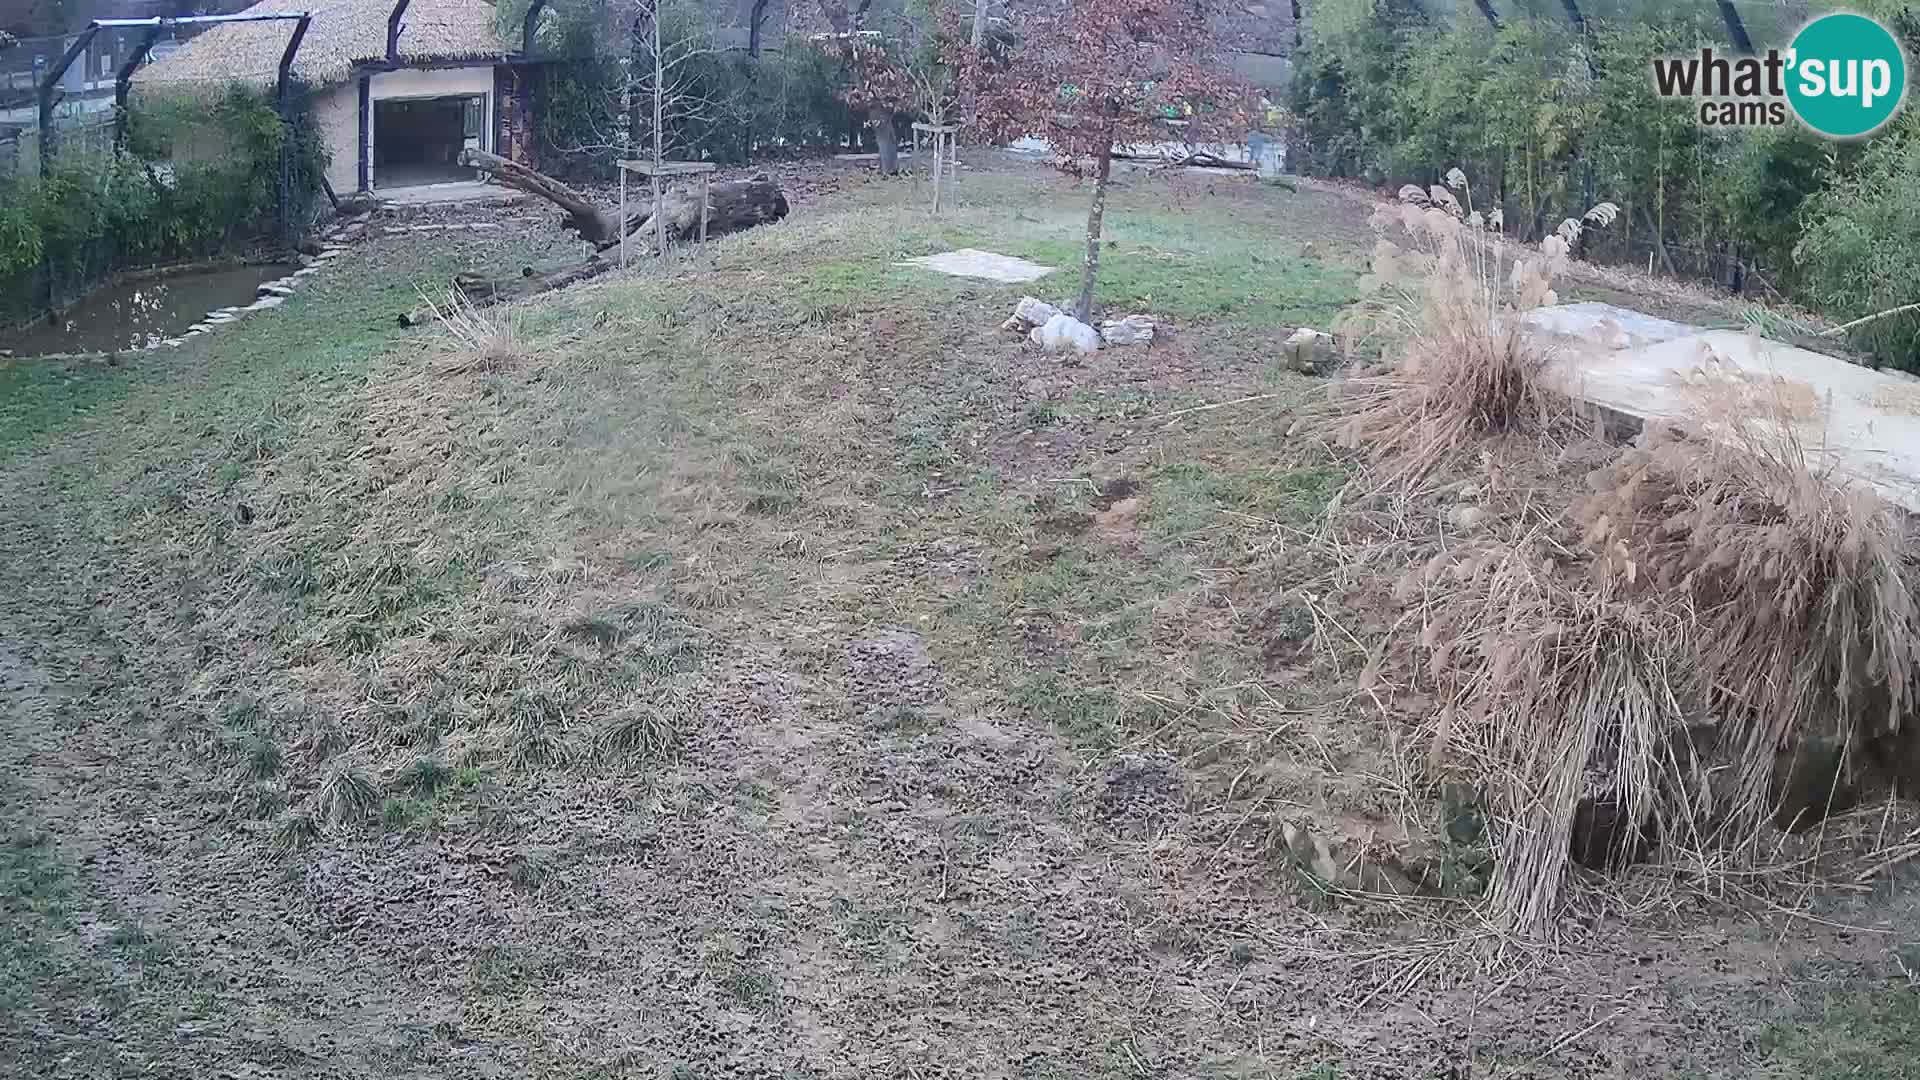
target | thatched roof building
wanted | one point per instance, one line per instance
(345, 35)
(389, 117)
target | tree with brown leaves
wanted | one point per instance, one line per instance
(877, 83)
(1088, 74)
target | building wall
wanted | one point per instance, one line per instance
(336, 111)
(435, 82)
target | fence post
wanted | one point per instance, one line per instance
(52, 81)
(123, 83)
(281, 109)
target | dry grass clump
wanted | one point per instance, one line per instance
(346, 795)
(641, 731)
(482, 340)
(1446, 283)
(294, 831)
(1800, 584)
(1561, 702)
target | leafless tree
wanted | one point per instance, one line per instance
(652, 97)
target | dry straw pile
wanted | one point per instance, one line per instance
(1635, 673)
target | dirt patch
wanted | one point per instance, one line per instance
(892, 668)
(1139, 794)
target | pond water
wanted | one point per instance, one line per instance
(134, 314)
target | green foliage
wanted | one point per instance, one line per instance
(781, 102)
(1860, 253)
(195, 178)
(1554, 122)
(21, 244)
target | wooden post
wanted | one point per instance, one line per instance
(942, 139)
(623, 209)
(659, 221)
(654, 171)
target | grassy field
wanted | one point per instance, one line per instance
(777, 670)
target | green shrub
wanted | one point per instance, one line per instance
(1860, 251)
(196, 178)
(781, 102)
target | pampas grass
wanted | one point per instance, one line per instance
(1448, 286)
(1555, 695)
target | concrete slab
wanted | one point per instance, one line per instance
(1606, 324)
(1864, 423)
(463, 191)
(974, 263)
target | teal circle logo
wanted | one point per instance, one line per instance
(1846, 75)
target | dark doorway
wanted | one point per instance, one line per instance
(418, 140)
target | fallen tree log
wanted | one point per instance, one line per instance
(483, 291)
(732, 205)
(592, 223)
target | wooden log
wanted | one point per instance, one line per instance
(484, 291)
(732, 205)
(594, 225)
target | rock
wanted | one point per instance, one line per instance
(174, 342)
(1063, 332)
(1465, 517)
(1028, 313)
(1132, 330)
(1309, 351)
(330, 253)
(1310, 852)
(276, 288)
(1309, 250)
(304, 271)
(266, 303)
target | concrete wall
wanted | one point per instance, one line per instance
(438, 82)
(336, 111)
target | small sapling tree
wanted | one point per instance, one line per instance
(1087, 75)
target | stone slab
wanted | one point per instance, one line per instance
(1863, 423)
(974, 263)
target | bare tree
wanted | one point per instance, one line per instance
(651, 96)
